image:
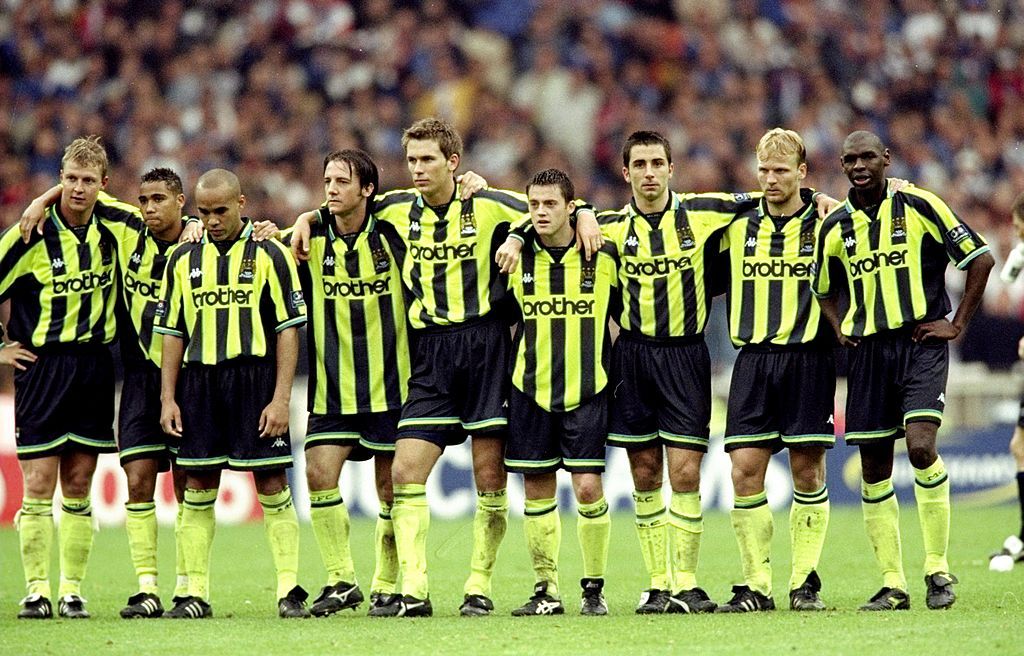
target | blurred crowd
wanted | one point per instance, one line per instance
(267, 87)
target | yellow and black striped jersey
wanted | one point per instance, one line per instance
(562, 344)
(229, 299)
(664, 260)
(770, 261)
(62, 285)
(890, 260)
(357, 334)
(141, 259)
(449, 266)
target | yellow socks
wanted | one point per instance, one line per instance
(594, 529)
(140, 524)
(543, 528)
(882, 521)
(75, 544)
(411, 518)
(330, 520)
(385, 570)
(808, 523)
(489, 525)
(181, 573)
(282, 525)
(686, 525)
(35, 533)
(752, 521)
(196, 537)
(652, 530)
(931, 490)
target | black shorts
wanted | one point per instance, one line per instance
(370, 433)
(894, 381)
(220, 415)
(661, 392)
(138, 421)
(459, 383)
(781, 397)
(64, 401)
(540, 441)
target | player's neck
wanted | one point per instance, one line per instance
(659, 204)
(350, 222)
(442, 196)
(171, 233)
(869, 197)
(789, 208)
(75, 218)
(560, 239)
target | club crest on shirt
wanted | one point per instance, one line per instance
(467, 222)
(248, 271)
(807, 242)
(587, 276)
(899, 227)
(685, 235)
(381, 261)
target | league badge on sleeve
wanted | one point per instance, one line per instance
(161, 308)
(297, 300)
(957, 234)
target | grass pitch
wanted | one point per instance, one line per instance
(986, 619)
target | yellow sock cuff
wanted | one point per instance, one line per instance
(74, 506)
(276, 503)
(593, 510)
(810, 498)
(538, 507)
(648, 504)
(325, 498)
(750, 502)
(199, 499)
(876, 492)
(385, 511)
(42, 507)
(411, 493)
(686, 506)
(932, 475)
(497, 500)
(140, 509)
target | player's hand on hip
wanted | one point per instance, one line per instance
(274, 419)
(507, 257)
(470, 183)
(264, 230)
(170, 418)
(15, 355)
(939, 330)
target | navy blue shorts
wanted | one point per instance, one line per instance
(138, 421)
(369, 433)
(540, 441)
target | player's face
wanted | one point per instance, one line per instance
(648, 172)
(221, 211)
(549, 211)
(864, 163)
(342, 189)
(780, 178)
(161, 208)
(431, 171)
(82, 184)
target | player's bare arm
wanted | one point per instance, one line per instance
(32, 217)
(945, 330)
(274, 418)
(170, 413)
(830, 308)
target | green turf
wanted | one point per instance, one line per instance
(985, 620)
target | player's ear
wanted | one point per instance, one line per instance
(241, 200)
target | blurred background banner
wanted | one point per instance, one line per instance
(267, 88)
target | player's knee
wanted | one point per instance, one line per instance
(922, 456)
(40, 484)
(647, 471)
(1017, 447)
(808, 479)
(404, 473)
(589, 491)
(318, 476)
(76, 484)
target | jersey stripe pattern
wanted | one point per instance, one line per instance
(562, 345)
(358, 330)
(141, 259)
(62, 285)
(892, 258)
(663, 260)
(449, 266)
(229, 305)
(771, 263)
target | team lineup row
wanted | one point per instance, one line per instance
(407, 298)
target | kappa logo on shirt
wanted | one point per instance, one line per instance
(850, 242)
(57, 264)
(195, 273)
(136, 258)
(632, 241)
(751, 242)
(329, 261)
(527, 278)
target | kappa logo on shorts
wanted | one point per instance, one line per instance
(942, 397)
(278, 444)
(832, 419)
